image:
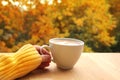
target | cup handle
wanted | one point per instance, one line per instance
(47, 47)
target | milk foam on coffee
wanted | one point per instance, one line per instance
(67, 41)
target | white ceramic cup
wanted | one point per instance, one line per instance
(65, 51)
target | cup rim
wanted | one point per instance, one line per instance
(80, 41)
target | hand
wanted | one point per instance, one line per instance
(46, 58)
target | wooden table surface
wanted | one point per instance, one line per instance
(90, 66)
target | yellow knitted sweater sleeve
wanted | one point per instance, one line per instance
(20, 63)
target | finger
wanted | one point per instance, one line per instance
(43, 65)
(46, 58)
(44, 51)
(37, 48)
(41, 50)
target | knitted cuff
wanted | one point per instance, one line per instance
(19, 64)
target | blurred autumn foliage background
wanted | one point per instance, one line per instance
(96, 22)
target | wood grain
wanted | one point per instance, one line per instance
(90, 66)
